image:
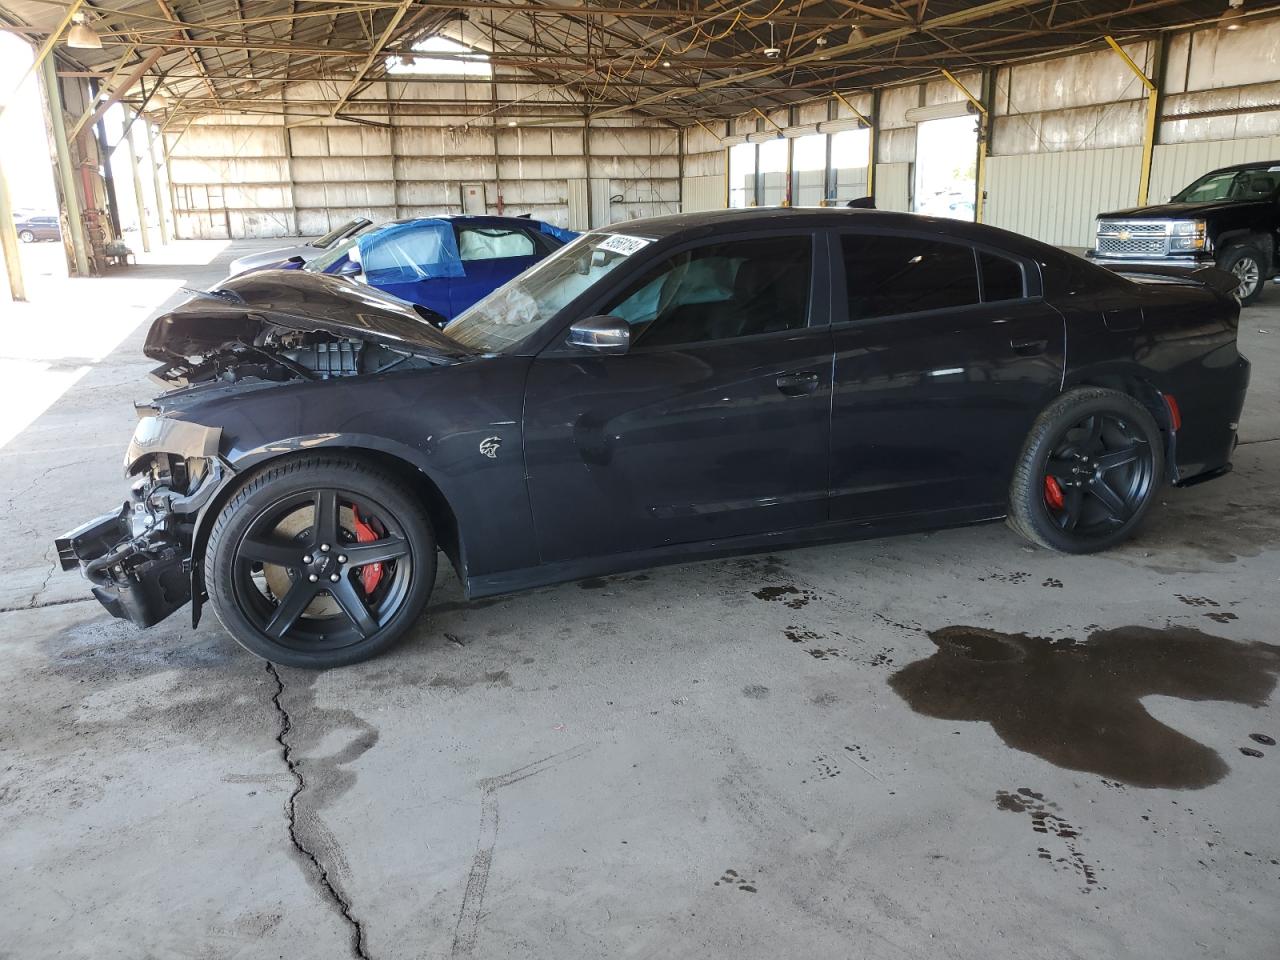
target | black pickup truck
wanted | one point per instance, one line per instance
(1229, 218)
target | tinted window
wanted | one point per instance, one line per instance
(493, 243)
(1001, 278)
(890, 275)
(720, 291)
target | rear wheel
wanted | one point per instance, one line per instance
(26, 236)
(1088, 472)
(320, 562)
(1246, 262)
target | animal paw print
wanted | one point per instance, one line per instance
(1018, 576)
(1261, 738)
(881, 659)
(731, 878)
(858, 752)
(826, 769)
(798, 635)
(1052, 582)
(823, 653)
(1196, 601)
(1221, 616)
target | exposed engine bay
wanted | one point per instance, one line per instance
(278, 355)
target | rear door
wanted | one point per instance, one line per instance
(714, 425)
(944, 355)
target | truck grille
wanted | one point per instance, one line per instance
(1139, 238)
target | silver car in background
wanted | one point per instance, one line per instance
(302, 251)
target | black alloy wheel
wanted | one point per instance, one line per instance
(1088, 472)
(320, 563)
(1098, 475)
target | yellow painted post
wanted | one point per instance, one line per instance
(1149, 127)
(984, 131)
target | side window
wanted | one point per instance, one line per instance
(1001, 278)
(719, 291)
(493, 243)
(891, 275)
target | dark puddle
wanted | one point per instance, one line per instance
(1078, 705)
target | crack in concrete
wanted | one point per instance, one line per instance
(1245, 443)
(48, 603)
(291, 812)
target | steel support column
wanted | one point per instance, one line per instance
(66, 175)
(1152, 119)
(9, 242)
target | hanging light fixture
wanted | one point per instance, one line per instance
(772, 51)
(81, 36)
(857, 34)
(820, 43)
(1233, 17)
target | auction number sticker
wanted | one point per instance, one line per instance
(619, 243)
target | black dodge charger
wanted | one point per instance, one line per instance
(661, 390)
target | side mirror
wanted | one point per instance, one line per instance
(601, 335)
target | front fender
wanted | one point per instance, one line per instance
(460, 427)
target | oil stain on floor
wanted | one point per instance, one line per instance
(1079, 705)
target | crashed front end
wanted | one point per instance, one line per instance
(139, 558)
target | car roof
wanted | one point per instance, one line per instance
(1251, 165)
(750, 218)
(484, 220)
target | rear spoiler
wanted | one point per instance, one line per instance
(1212, 277)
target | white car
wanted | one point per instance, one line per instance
(302, 251)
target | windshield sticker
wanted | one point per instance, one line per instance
(624, 245)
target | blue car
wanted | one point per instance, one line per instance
(443, 264)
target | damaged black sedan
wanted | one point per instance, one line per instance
(667, 389)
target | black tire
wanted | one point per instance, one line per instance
(26, 236)
(1250, 265)
(309, 605)
(1073, 488)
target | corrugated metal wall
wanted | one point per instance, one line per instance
(251, 176)
(702, 193)
(1175, 165)
(893, 186)
(1054, 197)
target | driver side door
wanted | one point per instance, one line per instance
(715, 423)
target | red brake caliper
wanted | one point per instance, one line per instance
(371, 573)
(1053, 493)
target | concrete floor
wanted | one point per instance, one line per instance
(781, 756)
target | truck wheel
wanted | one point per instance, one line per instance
(319, 562)
(1246, 262)
(1088, 472)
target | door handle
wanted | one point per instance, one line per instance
(797, 384)
(1029, 348)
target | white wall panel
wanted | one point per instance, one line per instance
(702, 193)
(893, 186)
(1054, 197)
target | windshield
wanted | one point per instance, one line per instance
(518, 309)
(337, 233)
(1255, 183)
(331, 256)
